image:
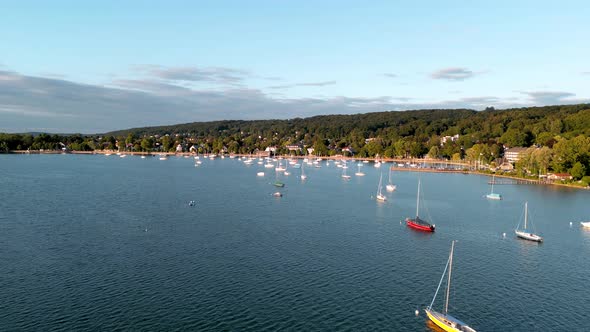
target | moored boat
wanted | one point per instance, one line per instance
(524, 233)
(417, 223)
(492, 195)
(380, 196)
(444, 320)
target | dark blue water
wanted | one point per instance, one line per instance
(107, 243)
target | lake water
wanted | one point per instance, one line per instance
(106, 243)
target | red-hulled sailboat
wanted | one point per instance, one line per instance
(417, 223)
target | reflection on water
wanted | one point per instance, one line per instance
(585, 234)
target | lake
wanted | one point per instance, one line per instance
(90, 242)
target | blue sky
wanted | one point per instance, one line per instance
(81, 66)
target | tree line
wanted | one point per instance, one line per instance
(557, 136)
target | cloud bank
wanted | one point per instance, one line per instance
(33, 103)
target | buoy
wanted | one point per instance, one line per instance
(570, 224)
(417, 312)
(503, 234)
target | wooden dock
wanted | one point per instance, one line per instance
(514, 181)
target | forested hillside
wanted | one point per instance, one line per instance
(560, 132)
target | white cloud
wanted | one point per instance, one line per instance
(287, 86)
(453, 74)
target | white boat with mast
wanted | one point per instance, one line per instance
(444, 320)
(390, 186)
(303, 176)
(523, 233)
(493, 195)
(344, 175)
(280, 167)
(380, 196)
(359, 173)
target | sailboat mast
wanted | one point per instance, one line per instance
(449, 280)
(418, 199)
(493, 180)
(526, 210)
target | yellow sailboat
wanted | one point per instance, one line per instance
(444, 320)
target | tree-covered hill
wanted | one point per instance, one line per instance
(562, 132)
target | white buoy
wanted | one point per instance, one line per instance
(503, 234)
(417, 312)
(570, 224)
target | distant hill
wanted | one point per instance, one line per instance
(341, 123)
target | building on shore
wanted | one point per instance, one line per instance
(294, 147)
(559, 176)
(514, 154)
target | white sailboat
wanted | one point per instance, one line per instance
(279, 167)
(303, 176)
(493, 195)
(380, 196)
(444, 320)
(390, 186)
(523, 233)
(359, 173)
(344, 175)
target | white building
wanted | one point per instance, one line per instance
(445, 139)
(514, 154)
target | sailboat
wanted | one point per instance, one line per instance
(390, 186)
(303, 176)
(417, 223)
(493, 195)
(380, 196)
(277, 182)
(444, 320)
(279, 167)
(523, 233)
(585, 224)
(359, 173)
(344, 175)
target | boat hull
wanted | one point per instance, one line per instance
(494, 196)
(447, 323)
(529, 236)
(425, 228)
(585, 224)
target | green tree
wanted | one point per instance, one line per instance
(147, 144)
(578, 171)
(434, 152)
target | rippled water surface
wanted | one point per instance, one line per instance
(108, 243)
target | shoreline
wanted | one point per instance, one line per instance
(465, 171)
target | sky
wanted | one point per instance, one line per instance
(96, 66)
